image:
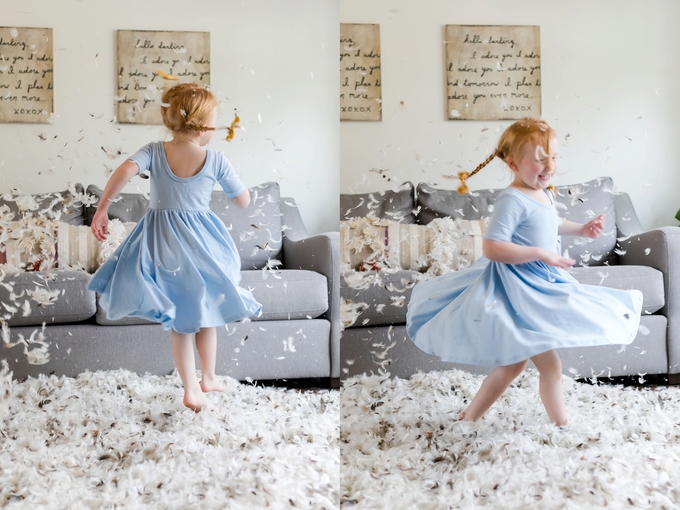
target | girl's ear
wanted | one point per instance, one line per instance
(510, 161)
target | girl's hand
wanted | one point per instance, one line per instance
(553, 259)
(100, 224)
(594, 227)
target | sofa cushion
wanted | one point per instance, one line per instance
(53, 297)
(575, 202)
(645, 279)
(289, 294)
(376, 298)
(62, 205)
(397, 205)
(257, 229)
(581, 203)
(126, 206)
(442, 203)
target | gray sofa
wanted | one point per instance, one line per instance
(296, 337)
(623, 257)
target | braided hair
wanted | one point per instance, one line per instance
(512, 141)
(186, 106)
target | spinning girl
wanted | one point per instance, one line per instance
(518, 302)
(179, 265)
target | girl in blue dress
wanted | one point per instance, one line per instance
(179, 265)
(518, 302)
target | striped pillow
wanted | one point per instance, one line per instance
(439, 247)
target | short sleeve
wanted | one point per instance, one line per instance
(226, 176)
(508, 213)
(143, 157)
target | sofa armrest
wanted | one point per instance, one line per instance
(320, 253)
(660, 249)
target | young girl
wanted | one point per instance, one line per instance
(518, 302)
(179, 265)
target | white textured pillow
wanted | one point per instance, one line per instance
(117, 232)
(454, 244)
(78, 248)
(29, 244)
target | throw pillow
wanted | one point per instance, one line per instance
(455, 244)
(373, 243)
(29, 244)
(442, 246)
(77, 247)
(117, 233)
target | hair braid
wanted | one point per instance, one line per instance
(465, 175)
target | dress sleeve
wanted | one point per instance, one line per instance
(143, 157)
(226, 176)
(508, 213)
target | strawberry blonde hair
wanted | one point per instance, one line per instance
(511, 143)
(186, 106)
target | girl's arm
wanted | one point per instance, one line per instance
(591, 229)
(116, 182)
(511, 253)
(242, 200)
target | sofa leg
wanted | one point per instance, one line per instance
(335, 382)
(673, 379)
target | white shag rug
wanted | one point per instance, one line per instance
(402, 446)
(117, 440)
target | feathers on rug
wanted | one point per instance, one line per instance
(402, 446)
(118, 440)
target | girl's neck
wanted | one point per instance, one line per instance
(538, 194)
(182, 139)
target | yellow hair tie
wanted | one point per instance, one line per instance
(463, 189)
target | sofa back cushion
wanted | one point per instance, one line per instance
(256, 230)
(446, 203)
(396, 205)
(575, 202)
(126, 206)
(62, 205)
(581, 203)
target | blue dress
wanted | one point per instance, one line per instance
(494, 314)
(179, 266)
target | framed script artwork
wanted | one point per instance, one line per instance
(150, 62)
(493, 72)
(26, 75)
(360, 87)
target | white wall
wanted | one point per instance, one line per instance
(273, 59)
(610, 75)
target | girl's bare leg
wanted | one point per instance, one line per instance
(491, 389)
(550, 386)
(183, 352)
(206, 345)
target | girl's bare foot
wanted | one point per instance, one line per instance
(195, 400)
(209, 384)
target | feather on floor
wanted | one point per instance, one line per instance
(118, 440)
(402, 446)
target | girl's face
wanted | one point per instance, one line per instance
(535, 168)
